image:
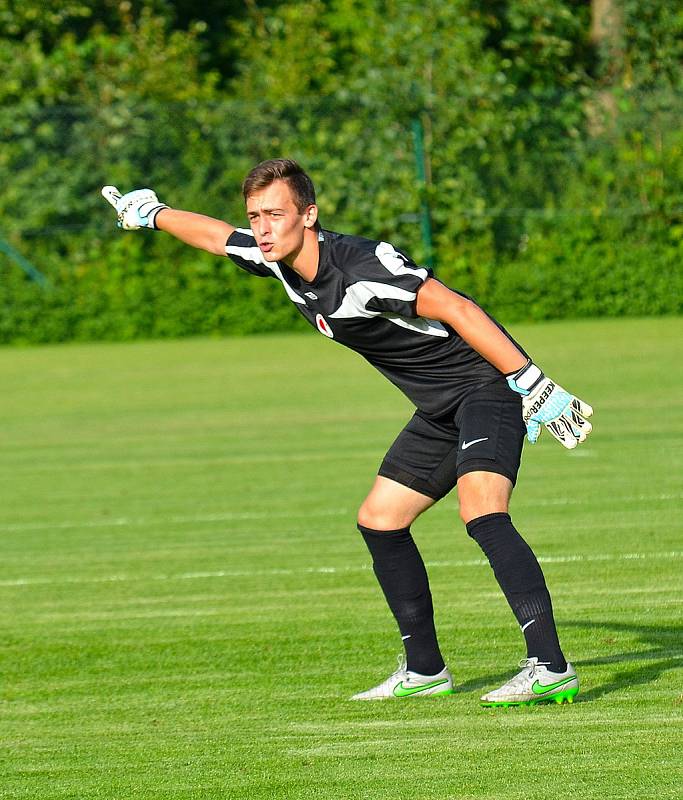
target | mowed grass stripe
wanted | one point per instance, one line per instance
(476, 562)
(227, 516)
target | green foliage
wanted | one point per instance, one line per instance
(142, 289)
(653, 44)
(579, 271)
(555, 184)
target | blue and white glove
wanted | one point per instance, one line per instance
(137, 209)
(546, 403)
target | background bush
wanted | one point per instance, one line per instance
(553, 157)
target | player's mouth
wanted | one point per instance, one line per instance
(266, 247)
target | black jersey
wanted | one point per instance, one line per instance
(364, 297)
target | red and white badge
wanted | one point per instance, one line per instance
(323, 326)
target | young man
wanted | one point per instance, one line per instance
(474, 388)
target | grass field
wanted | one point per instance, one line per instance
(186, 605)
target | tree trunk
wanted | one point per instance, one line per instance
(606, 35)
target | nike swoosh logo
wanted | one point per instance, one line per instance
(405, 691)
(541, 688)
(465, 445)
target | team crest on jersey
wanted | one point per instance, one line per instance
(323, 326)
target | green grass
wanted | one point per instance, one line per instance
(186, 604)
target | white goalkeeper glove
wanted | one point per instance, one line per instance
(137, 209)
(546, 403)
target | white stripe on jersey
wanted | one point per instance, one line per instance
(359, 294)
(396, 263)
(274, 267)
(255, 255)
(431, 327)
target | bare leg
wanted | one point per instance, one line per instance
(390, 506)
(483, 493)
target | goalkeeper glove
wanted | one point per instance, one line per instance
(137, 209)
(546, 403)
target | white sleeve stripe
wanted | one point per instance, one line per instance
(431, 327)
(248, 253)
(252, 254)
(396, 263)
(359, 294)
(255, 255)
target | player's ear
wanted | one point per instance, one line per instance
(310, 216)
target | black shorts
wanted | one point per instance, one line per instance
(485, 432)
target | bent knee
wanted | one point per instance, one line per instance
(382, 519)
(473, 510)
(390, 506)
(482, 493)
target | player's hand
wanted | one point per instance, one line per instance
(137, 209)
(546, 403)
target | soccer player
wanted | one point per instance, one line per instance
(476, 392)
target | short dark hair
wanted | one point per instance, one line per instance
(284, 169)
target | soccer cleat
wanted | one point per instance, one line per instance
(404, 683)
(535, 684)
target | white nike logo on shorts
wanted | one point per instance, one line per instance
(465, 445)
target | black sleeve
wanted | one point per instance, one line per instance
(241, 247)
(393, 280)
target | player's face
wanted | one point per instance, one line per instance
(278, 226)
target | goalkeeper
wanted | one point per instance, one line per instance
(476, 394)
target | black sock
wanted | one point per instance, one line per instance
(401, 573)
(520, 577)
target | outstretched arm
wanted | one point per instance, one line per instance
(142, 209)
(197, 230)
(543, 401)
(436, 301)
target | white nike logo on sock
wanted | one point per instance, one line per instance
(465, 445)
(526, 625)
(403, 638)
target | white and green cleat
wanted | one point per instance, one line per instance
(404, 683)
(535, 684)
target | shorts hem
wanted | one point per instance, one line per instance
(485, 465)
(405, 478)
